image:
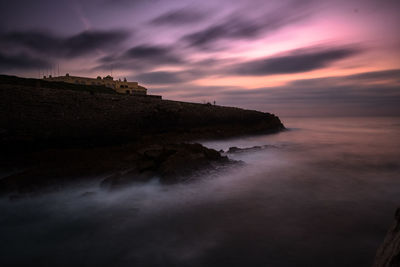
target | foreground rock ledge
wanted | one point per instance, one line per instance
(171, 163)
(388, 254)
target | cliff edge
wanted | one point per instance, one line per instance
(37, 116)
(53, 134)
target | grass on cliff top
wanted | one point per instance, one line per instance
(30, 82)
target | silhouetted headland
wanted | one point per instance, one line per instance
(51, 131)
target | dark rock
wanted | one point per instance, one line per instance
(248, 149)
(388, 255)
(146, 164)
(88, 194)
(42, 117)
(188, 159)
(15, 197)
(121, 179)
(171, 163)
(151, 151)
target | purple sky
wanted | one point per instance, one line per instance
(292, 58)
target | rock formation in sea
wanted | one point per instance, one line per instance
(51, 131)
(388, 254)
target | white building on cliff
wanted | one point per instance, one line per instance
(123, 87)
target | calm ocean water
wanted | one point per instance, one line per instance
(322, 193)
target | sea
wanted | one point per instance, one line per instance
(322, 193)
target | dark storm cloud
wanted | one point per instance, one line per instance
(141, 58)
(87, 41)
(21, 61)
(360, 79)
(373, 75)
(144, 58)
(179, 17)
(152, 53)
(48, 44)
(238, 26)
(118, 3)
(297, 61)
(159, 77)
(171, 77)
(320, 93)
(35, 41)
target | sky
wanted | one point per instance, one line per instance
(290, 58)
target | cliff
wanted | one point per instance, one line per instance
(45, 117)
(56, 134)
(388, 254)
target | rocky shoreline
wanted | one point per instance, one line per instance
(49, 170)
(38, 118)
(50, 136)
(388, 254)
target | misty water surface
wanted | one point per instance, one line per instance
(322, 194)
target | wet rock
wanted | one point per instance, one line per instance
(15, 197)
(184, 159)
(151, 151)
(145, 165)
(88, 194)
(388, 255)
(235, 149)
(171, 163)
(124, 178)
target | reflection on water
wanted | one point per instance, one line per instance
(323, 194)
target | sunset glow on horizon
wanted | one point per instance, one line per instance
(311, 56)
